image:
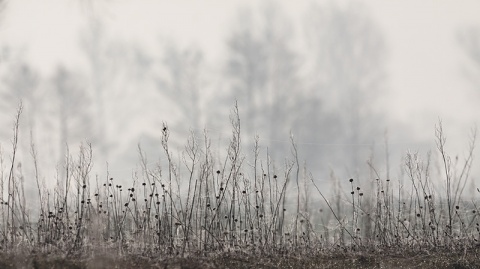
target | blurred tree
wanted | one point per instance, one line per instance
(183, 83)
(75, 120)
(73, 111)
(246, 69)
(285, 93)
(20, 83)
(263, 70)
(118, 75)
(3, 6)
(469, 40)
(347, 71)
(103, 70)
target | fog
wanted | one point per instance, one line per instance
(342, 79)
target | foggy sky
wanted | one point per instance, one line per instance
(425, 77)
(424, 64)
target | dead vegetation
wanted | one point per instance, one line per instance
(228, 211)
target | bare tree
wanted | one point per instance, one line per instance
(118, 78)
(21, 83)
(117, 70)
(347, 73)
(263, 70)
(95, 44)
(469, 40)
(284, 93)
(73, 110)
(183, 83)
(246, 69)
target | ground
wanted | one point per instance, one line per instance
(420, 259)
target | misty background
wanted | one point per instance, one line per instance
(345, 78)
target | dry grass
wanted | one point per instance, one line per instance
(230, 212)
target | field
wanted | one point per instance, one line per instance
(439, 259)
(209, 211)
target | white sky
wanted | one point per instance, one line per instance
(424, 58)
